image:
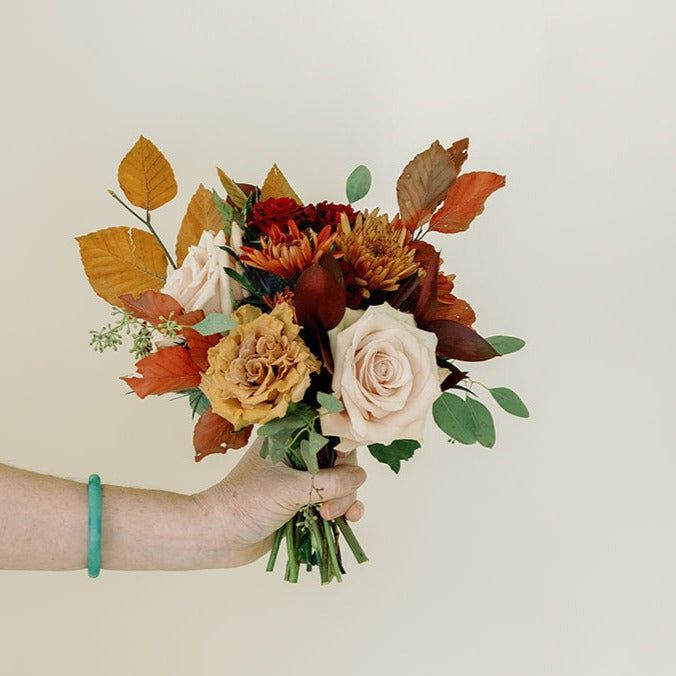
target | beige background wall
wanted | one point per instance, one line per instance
(552, 554)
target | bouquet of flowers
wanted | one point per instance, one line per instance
(319, 327)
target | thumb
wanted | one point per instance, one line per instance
(327, 484)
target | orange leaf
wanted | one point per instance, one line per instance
(146, 177)
(168, 370)
(458, 152)
(122, 260)
(456, 310)
(201, 215)
(276, 185)
(214, 434)
(423, 184)
(465, 200)
(198, 346)
(152, 306)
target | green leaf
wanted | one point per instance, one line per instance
(273, 448)
(510, 401)
(392, 455)
(245, 283)
(330, 403)
(358, 184)
(288, 423)
(215, 323)
(505, 344)
(309, 456)
(226, 212)
(303, 410)
(483, 422)
(453, 417)
(316, 441)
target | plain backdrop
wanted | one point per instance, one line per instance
(552, 554)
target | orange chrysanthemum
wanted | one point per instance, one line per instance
(378, 252)
(450, 306)
(274, 299)
(287, 254)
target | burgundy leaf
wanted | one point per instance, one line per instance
(459, 342)
(319, 295)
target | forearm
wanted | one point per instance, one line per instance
(43, 526)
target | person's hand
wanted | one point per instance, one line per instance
(257, 498)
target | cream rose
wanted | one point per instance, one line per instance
(200, 283)
(386, 376)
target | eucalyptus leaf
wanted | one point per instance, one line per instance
(510, 401)
(453, 417)
(275, 448)
(225, 210)
(288, 423)
(330, 403)
(483, 422)
(215, 323)
(198, 402)
(394, 453)
(358, 184)
(505, 344)
(316, 441)
(309, 456)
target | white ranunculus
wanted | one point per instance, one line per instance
(201, 282)
(386, 376)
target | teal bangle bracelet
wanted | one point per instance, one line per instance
(94, 526)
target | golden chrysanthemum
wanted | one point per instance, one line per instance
(377, 251)
(290, 252)
(259, 368)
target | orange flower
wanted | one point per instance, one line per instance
(287, 254)
(274, 299)
(451, 307)
(378, 252)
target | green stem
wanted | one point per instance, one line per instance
(351, 540)
(291, 550)
(318, 544)
(330, 541)
(275, 550)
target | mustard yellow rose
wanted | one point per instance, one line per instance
(259, 367)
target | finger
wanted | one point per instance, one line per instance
(346, 458)
(328, 484)
(355, 512)
(332, 509)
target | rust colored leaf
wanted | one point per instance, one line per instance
(276, 185)
(202, 214)
(458, 152)
(459, 342)
(423, 185)
(146, 177)
(465, 200)
(214, 434)
(235, 193)
(168, 370)
(151, 306)
(121, 261)
(457, 310)
(198, 346)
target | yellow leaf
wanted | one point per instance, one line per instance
(276, 185)
(201, 215)
(235, 193)
(146, 177)
(122, 260)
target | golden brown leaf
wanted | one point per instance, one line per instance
(423, 184)
(202, 214)
(235, 193)
(465, 201)
(122, 260)
(458, 152)
(146, 177)
(276, 185)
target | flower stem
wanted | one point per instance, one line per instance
(275, 550)
(351, 540)
(331, 542)
(292, 566)
(318, 545)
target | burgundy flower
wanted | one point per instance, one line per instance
(316, 216)
(275, 211)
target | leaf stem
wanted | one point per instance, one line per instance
(146, 222)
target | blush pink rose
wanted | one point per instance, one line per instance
(385, 374)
